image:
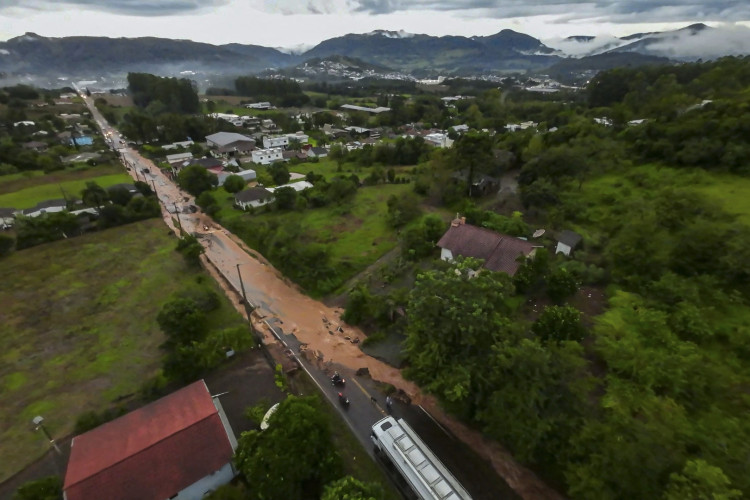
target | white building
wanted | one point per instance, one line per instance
(300, 137)
(259, 105)
(267, 156)
(275, 141)
(297, 186)
(439, 140)
(46, 207)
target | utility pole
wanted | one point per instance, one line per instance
(242, 285)
(38, 422)
(179, 222)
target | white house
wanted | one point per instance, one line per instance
(259, 105)
(567, 242)
(460, 128)
(297, 186)
(253, 197)
(300, 137)
(178, 447)
(439, 140)
(275, 141)
(267, 156)
(179, 158)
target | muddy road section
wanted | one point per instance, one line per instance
(316, 326)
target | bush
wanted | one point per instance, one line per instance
(7, 243)
(48, 488)
(91, 419)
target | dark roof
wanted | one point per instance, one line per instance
(319, 151)
(253, 194)
(34, 145)
(499, 251)
(7, 212)
(153, 452)
(206, 162)
(569, 238)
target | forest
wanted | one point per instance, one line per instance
(647, 397)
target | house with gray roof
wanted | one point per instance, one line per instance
(567, 242)
(253, 197)
(7, 217)
(230, 142)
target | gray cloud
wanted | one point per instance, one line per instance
(618, 11)
(145, 8)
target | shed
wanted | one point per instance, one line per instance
(567, 242)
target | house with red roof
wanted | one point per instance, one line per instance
(499, 252)
(178, 447)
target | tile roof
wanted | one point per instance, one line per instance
(499, 251)
(150, 453)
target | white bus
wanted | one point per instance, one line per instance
(423, 472)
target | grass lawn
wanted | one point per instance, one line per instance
(357, 234)
(79, 328)
(732, 192)
(47, 188)
(22, 180)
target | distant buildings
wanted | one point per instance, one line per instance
(375, 111)
(230, 142)
(267, 156)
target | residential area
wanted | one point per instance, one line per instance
(492, 272)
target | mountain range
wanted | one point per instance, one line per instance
(414, 54)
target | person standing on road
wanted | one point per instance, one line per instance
(388, 403)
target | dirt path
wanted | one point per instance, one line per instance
(313, 322)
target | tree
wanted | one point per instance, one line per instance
(454, 317)
(119, 195)
(558, 324)
(196, 179)
(700, 481)
(286, 198)
(182, 321)
(279, 173)
(48, 488)
(294, 457)
(191, 249)
(234, 184)
(561, 284)
(7, 243)
(94, 195)
(402, 209)
(349, 488)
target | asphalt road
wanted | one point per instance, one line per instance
(275, 300)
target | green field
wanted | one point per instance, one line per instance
(30, 191)
(22, 180)
(79, 328)
(356, 235)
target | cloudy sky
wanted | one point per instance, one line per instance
(287, 23)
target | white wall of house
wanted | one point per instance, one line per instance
(50, 210)
(275, 142)
(563, 248)
(266, 156)
(446, 254)
(198, 489)
(255, 203)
